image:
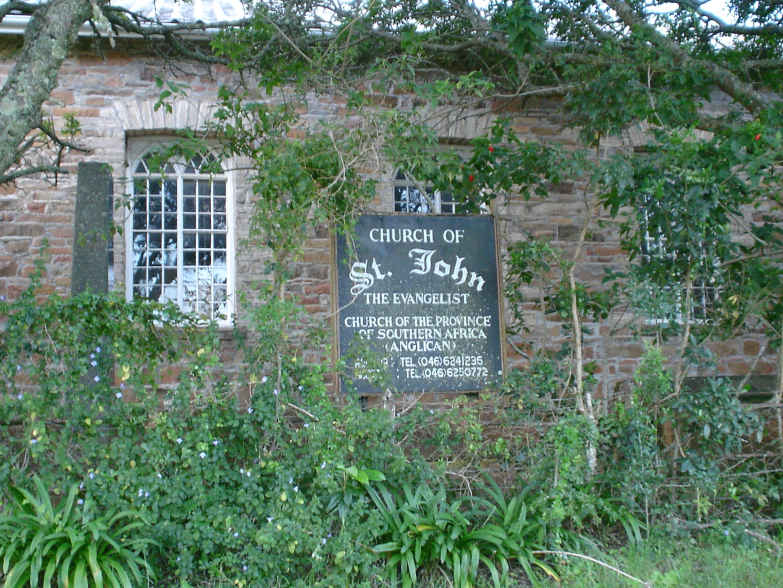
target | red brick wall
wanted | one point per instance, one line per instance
(113, 97)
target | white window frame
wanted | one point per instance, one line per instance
(176, 171)
(703, 292)
(434, 202)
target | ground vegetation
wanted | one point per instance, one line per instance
(292, 480)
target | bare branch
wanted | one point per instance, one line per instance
(745, 94)
(57, 140)
(20, 7)
(724, 28)
(30, 171)
(51, 32)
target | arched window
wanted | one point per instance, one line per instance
(409, 198)
(179, 236)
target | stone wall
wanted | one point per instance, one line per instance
(113, 97)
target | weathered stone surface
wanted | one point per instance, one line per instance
(116, 94)
(92, 228)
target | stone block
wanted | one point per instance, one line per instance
(91, 229)
(751, 348)
(22, 230)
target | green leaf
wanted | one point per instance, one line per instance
(120, 572)
(411, 567)
(493, 572)
(18, 575)
(95, 569)
(390, 547)
(80, 575)
(51, 568)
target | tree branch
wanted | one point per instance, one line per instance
(57, 140)
(29, 171)
(20, 7)
(743, 93)
(724, 28)
(51, 32)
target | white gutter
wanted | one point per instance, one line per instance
(160, 12)
(15, 24)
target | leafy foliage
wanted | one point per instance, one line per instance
(423, 528)
(69, 544)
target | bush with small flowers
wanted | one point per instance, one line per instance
(232, 494)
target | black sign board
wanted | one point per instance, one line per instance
(421, 293)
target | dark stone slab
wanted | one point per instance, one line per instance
(92, 228)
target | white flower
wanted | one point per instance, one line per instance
(270, 519)
(263, 380)
(92, 356)
(215, 442)
(160, 477)
(275, 392)
(80, 501)
(323, 464)
(306, 425)
(33, 441)
(19, 396)
(118, 395)
(242, 471)
(202, 455)
(94, 363)
(97, 378)
(236, 534)
(249, 410)
(296, 488)
(244, 568)
(91, 475)
(179, 440)
(98, 349)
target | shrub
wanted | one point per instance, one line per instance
(425, 528)
(67, 544)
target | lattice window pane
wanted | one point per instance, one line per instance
(654, 247)
(179, 235)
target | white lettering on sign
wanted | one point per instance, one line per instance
(422, 265)
(401, 235)
(453, 236)
(362, 279)
(429, 298)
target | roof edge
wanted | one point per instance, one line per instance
(16, 24)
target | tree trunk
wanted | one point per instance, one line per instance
(584, 397)
(779, 394)
(48, 38)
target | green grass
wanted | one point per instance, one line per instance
(682, 562)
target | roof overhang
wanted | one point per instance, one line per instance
(166, 12)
